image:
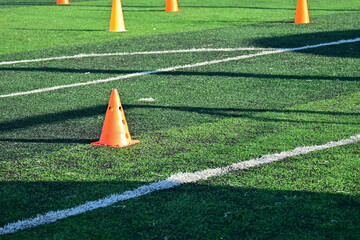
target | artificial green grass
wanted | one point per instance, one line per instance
(317, 194)
(57, 119)
(84, 22)
(202, 118)
(108, 170)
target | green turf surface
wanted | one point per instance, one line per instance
(317, 194)
(84, 22)
(203, 117)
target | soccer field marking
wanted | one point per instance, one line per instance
(179, 67)
(131, 75)
(84, 55)
(173, 181)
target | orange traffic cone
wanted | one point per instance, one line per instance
(302, 12)
(117, 19)
(115, 131)
(171, 6)
(62, 1)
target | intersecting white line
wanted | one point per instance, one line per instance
(176, 179)
(178, 67)
(171, 182)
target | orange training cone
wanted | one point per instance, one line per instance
(117, 19)
(302, 12)
(62, 1)
(171, 6)
(115, 131)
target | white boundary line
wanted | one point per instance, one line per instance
(171, 182)
(138, 53)
(139, 74)
(178, 67)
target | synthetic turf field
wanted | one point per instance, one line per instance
(202, 118)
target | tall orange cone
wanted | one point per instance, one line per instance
(171, 6)
(117, 19)
(62, 2)
(115, 131)
(302, 12)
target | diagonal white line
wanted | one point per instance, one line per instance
(139, 74)
(171, 182)
(325, 44)
(178, 67)
(84, 55)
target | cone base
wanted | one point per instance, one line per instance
(117, 145)
(117, 30)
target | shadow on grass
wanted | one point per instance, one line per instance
(53, 118)
(246, 7)
(142, 10)
(124, 10)
(21, 4)
(55, 131)
(61, 30)
(47, 140)
(183, 73)
(349, 50)
(190, 211)
(15, 3)
(222, 112)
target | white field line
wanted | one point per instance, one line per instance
(138, 53)
(177, 67)
(171, 182)
(139, 74)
